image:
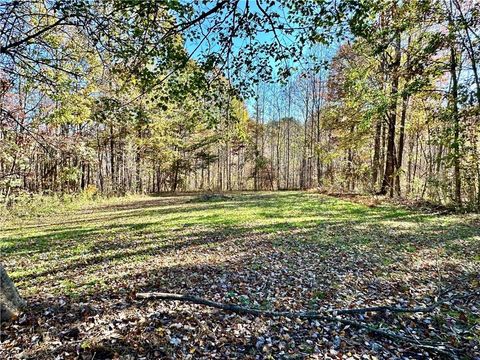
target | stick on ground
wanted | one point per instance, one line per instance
(325, 315)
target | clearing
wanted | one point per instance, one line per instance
(80, 272)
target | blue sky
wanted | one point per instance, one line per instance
(208, 44)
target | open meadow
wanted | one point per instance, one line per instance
(80, 272)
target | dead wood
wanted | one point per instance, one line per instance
(330, 315)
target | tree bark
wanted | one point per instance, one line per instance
(10, 301)
(401, 142)
(376, 154)
(112, 158)
(456, 126)
(389, 176)
(403, 118)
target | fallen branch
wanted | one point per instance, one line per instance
(386, 308)
(438, 347)
(325, 315)
(299, 314)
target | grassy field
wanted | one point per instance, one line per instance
(80, 270)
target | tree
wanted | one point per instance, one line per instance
(118, 97)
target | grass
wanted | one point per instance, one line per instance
(272, 250)
(49, 252)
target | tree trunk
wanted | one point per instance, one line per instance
(10, 301)
(401, 141)
(112, 159)
(456, 126)
(389, 177)
(257, 153)
(376, 154)
(403, 118)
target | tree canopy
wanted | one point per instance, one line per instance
(126, 95)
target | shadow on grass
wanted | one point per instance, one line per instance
(299, 249)
(332, 224)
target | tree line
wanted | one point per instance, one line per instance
(91, 103)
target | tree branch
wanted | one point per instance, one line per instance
(325, 315)
(5, 49)
(300, 314)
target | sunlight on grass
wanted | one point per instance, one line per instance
(72, 251)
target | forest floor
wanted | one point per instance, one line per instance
(80, 272)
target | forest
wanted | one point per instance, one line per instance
(309, 169)
(389, 106)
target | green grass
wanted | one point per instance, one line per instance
(76, 252)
